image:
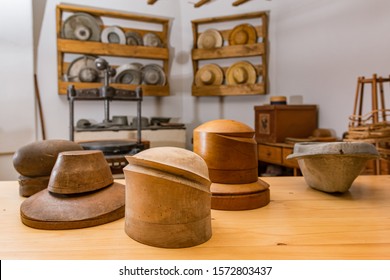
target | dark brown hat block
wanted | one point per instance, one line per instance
(46, 210)
(81, 193)
(37, 159)
(31, 185)
(34, 162)
(79, 172)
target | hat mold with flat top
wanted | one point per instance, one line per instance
(79, 172)
(81, 193)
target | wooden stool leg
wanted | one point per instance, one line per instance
(383, 105)
(374, 99)
(361, 100)
(358, 97)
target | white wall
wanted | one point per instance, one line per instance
(17, 107)
(323, 46)
(318, 48)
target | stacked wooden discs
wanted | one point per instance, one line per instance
(167, 198)
(81, 193)
(34, 162)
(230, 151)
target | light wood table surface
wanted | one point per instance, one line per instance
(299, 223)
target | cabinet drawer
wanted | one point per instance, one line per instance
(270, 154)
(293, 163)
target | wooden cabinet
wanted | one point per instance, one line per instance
(258, 50)
(276, 153)
(274, 123)
(130, 22)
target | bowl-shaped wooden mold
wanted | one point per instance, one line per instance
(80, 172)
(332, 167)
(229, 149)
(167, 198)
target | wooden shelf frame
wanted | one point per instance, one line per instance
(259, 49)
(67, 46)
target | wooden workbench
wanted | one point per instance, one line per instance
(299, 223)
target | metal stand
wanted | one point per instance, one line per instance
(107, 94)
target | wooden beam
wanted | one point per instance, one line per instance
(151, 2)
(239, 2)
(201, 3)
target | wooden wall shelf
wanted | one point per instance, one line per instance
(68, 46)
(238, 52)
(229, 52)
(97, 48)
(225, 90)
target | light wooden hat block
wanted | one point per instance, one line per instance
(209, 74)
(241, 72)
(230, 151)
(168, 200)
(243, 34)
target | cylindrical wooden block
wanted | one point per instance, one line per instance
(229, 149)
(168, 198)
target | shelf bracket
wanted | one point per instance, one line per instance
(200, 3)
(239, 2)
